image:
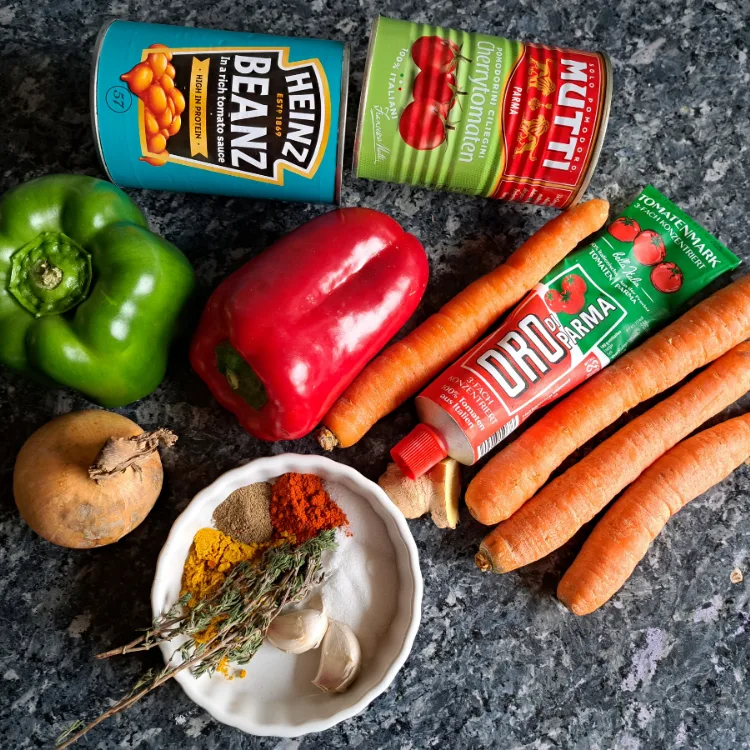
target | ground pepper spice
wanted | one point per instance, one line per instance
(301, 506)
(244, 514)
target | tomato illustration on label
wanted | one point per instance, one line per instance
(553, 298)
(574, 284)
(437, 53)
(667, 278)
(572, 303)
(624, 229)
(572, 298)
(422, 125)
(648, 248)
(439, 87)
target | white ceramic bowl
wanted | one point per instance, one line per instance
(271, 699)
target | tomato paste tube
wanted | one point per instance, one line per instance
(591, 308)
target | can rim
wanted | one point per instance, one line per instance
(92, 95)
(342, 125)
(597, 151)
(363, 95)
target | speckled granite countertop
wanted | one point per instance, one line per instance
(497, 662)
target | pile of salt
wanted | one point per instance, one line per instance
(361, 582)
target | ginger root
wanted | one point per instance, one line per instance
(436, 491)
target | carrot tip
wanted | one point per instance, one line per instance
(482, 561)
(326, 439)
(578, 609)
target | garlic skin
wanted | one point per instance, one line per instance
(297, 632)
(340, 659)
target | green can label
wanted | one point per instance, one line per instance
(480, 114)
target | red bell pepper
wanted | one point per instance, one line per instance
(283, 336)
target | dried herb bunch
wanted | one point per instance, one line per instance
(238, 615)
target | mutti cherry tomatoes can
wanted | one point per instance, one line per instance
(224, 112)
(481, 114)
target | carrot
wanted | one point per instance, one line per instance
(701, 335)
(620, 540)
(408, 365)
(556, 513)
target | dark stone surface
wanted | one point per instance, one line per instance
(498, 661)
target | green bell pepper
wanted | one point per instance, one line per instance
(89, 297)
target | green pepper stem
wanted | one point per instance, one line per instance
(50, 275)
(47, 275)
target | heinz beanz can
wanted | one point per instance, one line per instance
(481, 114)
(224, 112)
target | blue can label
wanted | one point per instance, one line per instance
(220, 112)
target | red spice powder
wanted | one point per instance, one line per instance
(301, 506)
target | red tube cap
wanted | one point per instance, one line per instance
(419, 451)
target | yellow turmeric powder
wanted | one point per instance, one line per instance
(223, 668)
(212, 557)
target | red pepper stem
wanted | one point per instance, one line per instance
(241, 378)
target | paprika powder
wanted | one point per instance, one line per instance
(301, 506)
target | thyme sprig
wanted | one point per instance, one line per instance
(238, 614)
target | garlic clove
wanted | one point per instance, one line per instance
(340, 659)
(297, 632)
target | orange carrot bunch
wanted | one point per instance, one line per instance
(622, 537)
(701, 335)
(559, 510)
(661, 473)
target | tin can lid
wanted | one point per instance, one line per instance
(92, 95)
(596, 153)
(363, 96)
